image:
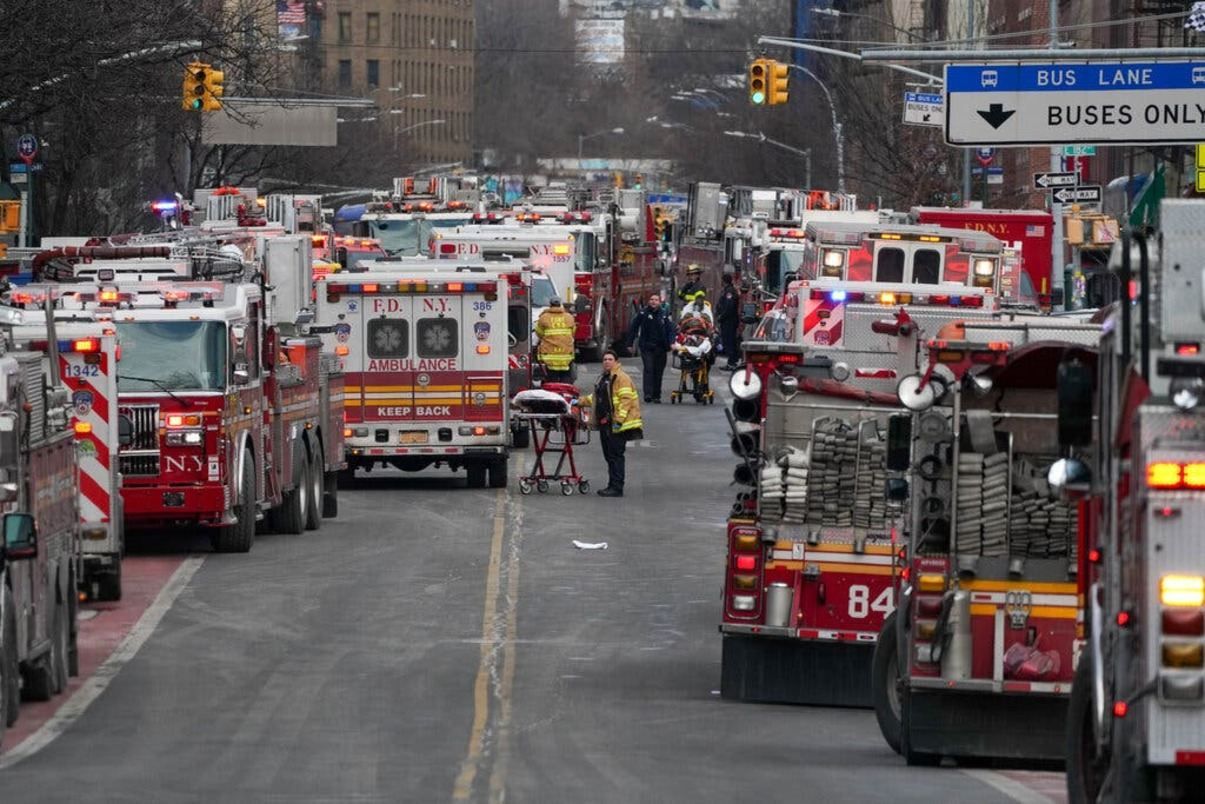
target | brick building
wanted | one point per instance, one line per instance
(415, 59)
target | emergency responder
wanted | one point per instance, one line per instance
(694, 286)
(728, 318)
(555, 328)
(616, 414)
(652, 331)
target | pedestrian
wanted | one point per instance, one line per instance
(616, 414)
(555, 328)
(728, 318)
(652, 332)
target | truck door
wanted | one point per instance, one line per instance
(386, 389)
(518, 328)
(483, 346)
(440, 324)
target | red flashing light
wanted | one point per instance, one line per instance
(746, 563)
(1188, 349)
(1120, 709)
(1094, 555)
(447, 248)
(1123, 619)
(972, 301)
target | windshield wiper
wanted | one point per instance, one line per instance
(155, 383)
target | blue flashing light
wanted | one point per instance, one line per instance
(470, 286)
(837, 296)
(353, 289)
(163, 207)
(955, 301)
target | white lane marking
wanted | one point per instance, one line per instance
(1009, 787)
(99, 681)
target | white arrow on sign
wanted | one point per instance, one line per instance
(1089, 194)
(1044, 181)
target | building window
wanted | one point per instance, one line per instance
(373, 31)
(344, 26)
(374, 73)
(344, 72)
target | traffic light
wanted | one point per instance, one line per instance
(203, 88)
(758, 76)
(777, 90)
(659, 222)
(10, 216)
(214, 90)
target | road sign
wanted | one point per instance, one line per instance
(20, 167)
(1079, 150)
(995, 175)
(985, 155)
(1045, 181)
(923, 109)
(27, 147)
(1052, 103)
(1088, 194)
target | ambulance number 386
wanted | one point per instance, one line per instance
(860, 604)
(482, 306)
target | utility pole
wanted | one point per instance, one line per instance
(1056, 209)
(966, 152)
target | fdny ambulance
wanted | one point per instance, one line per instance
(425, 355)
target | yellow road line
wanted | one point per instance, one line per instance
(509, 649)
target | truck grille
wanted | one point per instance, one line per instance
(141, 455)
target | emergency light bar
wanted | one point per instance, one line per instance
(895, 297)
(1173, 475)
(73, 346)
(335, 288)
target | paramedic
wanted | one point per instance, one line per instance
(555, 352)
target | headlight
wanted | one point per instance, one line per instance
(185, 438)
(745, 385)
(833, 260)
(1187, 392)
(985, 267)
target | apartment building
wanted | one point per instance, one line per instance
(415, 59)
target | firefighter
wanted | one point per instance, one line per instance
(555, 351)
(616, 413)
(693, 288)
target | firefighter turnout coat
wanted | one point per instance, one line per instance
(624, 413)
(555, 330)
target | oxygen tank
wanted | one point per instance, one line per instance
(956, 658)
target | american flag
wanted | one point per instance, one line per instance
(1196, 17)
(1034, 231)
(290, 12)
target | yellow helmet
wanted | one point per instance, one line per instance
(693, 268)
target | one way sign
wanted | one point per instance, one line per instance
(1089, 194)
(1046, 181)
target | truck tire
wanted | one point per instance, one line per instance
(330, 495)
(108, 584)
(1086, 771)
(290, 516)
(239, 537)
(497, 471)
(72, 627)
(476, 475)
(60, 649)
(313, 517)
(10, 674)
(885, 678)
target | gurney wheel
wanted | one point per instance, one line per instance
(567, 488)
(541, 486)
(711, 399)
(524, 487)
(583, 486)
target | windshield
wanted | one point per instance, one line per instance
(542, 290)
(779, 263)
(354, 258)
(774, 326)
(178, 355)
(409, 237)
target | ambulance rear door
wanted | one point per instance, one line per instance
(386, 378)
(484, 353)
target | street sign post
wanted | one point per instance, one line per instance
(27, 147)
(993, 175)
(1054, 103)
(1079, 150)
(1047, 181)
(923, 109)
(1086, 194)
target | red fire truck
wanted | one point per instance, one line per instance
(226, 413)
(808, 579)
(347, 252)
(977, 661)
(426, 360)
(404, 221)
(1030, 231)
(88, 364)
(39, 556)
(1136, 727)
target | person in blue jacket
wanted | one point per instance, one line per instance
(652, 333)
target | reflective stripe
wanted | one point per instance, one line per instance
(558, 331)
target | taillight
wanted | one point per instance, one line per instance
(447, 248)
(1187, 591)
(746, 563)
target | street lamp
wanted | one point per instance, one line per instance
(837, 13)
(838, 133)
(581, 138)
(805, 153)
(401, 131)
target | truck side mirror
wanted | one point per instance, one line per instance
(1069, 478)
(8, 446)
(341, 257)
(899, 443)
(581, 304)
(20, 536)
(1074, 385)
(242, 374)
(749, 313)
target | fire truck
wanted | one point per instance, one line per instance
(1136, 727)
(88, 364)
(404, 222)
(425, 355)
(227, 413)
(39, 557)
(978, 658)
(808, 579)
(346, 252)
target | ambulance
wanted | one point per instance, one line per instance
(425, 356)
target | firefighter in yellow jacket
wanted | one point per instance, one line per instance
(616, 407)
(555, 352)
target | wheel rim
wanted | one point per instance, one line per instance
(1092, 768)
(893, 686)
(303, 494)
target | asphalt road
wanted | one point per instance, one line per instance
(436, 643)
